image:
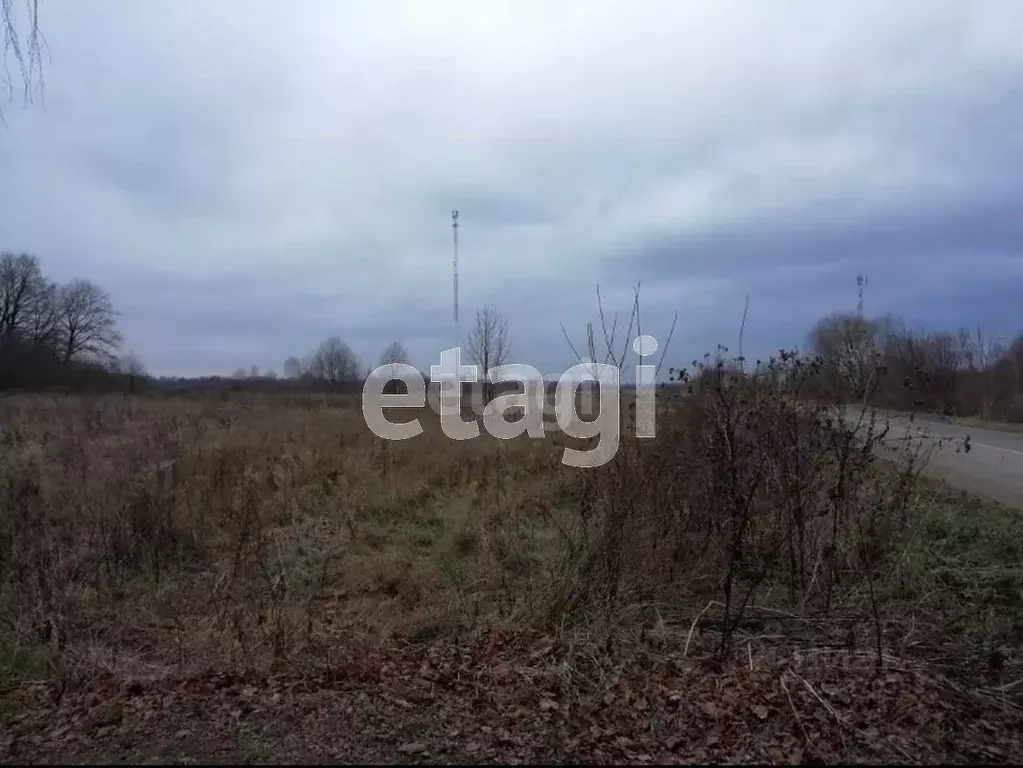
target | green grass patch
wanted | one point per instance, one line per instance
(969, 547)
(998, 426)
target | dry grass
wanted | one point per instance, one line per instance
(1000, 426)
(149, 534)
(154, 538)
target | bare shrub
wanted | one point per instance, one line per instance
(751, 488)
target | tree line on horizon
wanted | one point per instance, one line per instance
(57, 334)
(958, 373)
(66, 336)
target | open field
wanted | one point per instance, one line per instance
(258, 577)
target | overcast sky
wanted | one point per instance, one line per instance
(249, 178)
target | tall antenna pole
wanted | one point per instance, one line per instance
(454, 230)
(861, 280)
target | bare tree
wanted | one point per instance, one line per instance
(240, 373)
(254, 372)
(24, 44)
(86, 321)
(292, 368)
(131, 364)
(489, 346)
(28, 302)
(42, 320)
(306, 365)
(134, 365)
(22, 286)
(849, 344)
(334, 361)
(393, 355)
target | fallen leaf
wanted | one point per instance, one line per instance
(412, 748)
(760, 711)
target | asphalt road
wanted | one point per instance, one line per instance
(993, 465)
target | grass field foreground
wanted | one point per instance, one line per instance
(151, 543)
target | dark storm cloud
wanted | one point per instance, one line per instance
(947, 251)
(910, 236)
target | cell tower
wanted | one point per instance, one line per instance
(454, 230)
(861, 281)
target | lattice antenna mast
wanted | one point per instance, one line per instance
(861, 281)
(454, 231)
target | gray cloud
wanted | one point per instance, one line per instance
(247, 180)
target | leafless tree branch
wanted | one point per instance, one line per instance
(24, 45)
(488, 343)
(742, 331)
(87, 321)
(667, 343)
(611, 355)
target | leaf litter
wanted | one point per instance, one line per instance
(500, 701)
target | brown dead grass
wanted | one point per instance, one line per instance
(272, 539)
(225, 533)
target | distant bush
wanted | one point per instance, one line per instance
(958, 374)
